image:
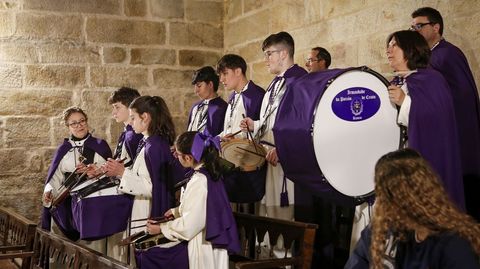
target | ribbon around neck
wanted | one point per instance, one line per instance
(201, 141)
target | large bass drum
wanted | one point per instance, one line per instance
(332, 127)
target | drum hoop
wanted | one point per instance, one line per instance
(244, 141)
(363, 68)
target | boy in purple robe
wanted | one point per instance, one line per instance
(452, 63)
(426, 109)
(209, 113)
(278, 52)
(204, 217)
(245, 100)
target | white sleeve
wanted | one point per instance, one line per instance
(193, 211)
(135, 184)
(55, 182)
(404, 112)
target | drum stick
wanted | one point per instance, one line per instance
(236, 133)
(252, 152)
(251, 136)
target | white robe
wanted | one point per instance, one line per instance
(189, 225)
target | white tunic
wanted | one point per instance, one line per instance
(189, 225)
(234, 115)
(274, 179)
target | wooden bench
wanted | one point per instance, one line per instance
(16, 237)
(54, 248)
(297, 237)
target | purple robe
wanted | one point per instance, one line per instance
(451, 62)
(221, 228)
(62, 214)
(217, 107)
(247, 187)
(432, 130)
(159, 160)
(131, 141)
(293, 138)
(175, 257)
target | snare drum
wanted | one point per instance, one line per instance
(247, 185)
(332, 127)
(244, 153)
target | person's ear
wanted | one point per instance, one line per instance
(436, 27)
(146, 118)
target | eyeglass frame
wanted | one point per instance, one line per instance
(418, 26)
(76, 124)
(310, 60)
(268, 53)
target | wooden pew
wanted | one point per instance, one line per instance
(16, 236)
(298, 238)
(49, 247)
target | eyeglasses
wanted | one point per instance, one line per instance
(268, 53)
(419, 26)
(75, 124)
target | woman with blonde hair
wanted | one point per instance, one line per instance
(415, 224)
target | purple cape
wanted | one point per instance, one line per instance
(131, 141)
(216, 115)
(292, 132)
(159, 159)
(452, 63)
(247, 187)
(175, 257)
(63, 214)
(221, 229)
(432, 130)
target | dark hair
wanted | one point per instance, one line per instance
(323, 54)
(123, 95)
(415, 48)
(432, 14)
(162, 123)
(281, 38)
(207, 74)
(231, 61)
(69, 111)
(210, 157)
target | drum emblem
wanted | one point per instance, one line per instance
(356, 106)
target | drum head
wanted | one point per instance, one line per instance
(244, 154)
(354, 125)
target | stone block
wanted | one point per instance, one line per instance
(114, 55)
(288, 15)
(80, 6)
(47, 157)
(55, 76)
(257, 25)
(195, 34)
(47, 27)
(345, 54)
(95, 103)
(18, 53)
(313, 11)
(251, 5)
(59, 131)
(42, 102)
(198, 58)
(7, 24)
(251, 52)
(107, 30)
(98, 123)
(10, 76)
(9, 5)
(233, 10)
(259, 73)
(172, 79)
(135, 8)
(119, 76)
(27, 132)
(372, 49)
(153, 56)
(29, 205)
(167, 9)
(70, 54)
(204, 11)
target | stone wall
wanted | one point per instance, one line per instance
(354, 32)
(58, 53)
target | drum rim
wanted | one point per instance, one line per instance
(250, 167)
(363, 68)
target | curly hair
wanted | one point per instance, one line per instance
(69, 111)
(408, 195)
